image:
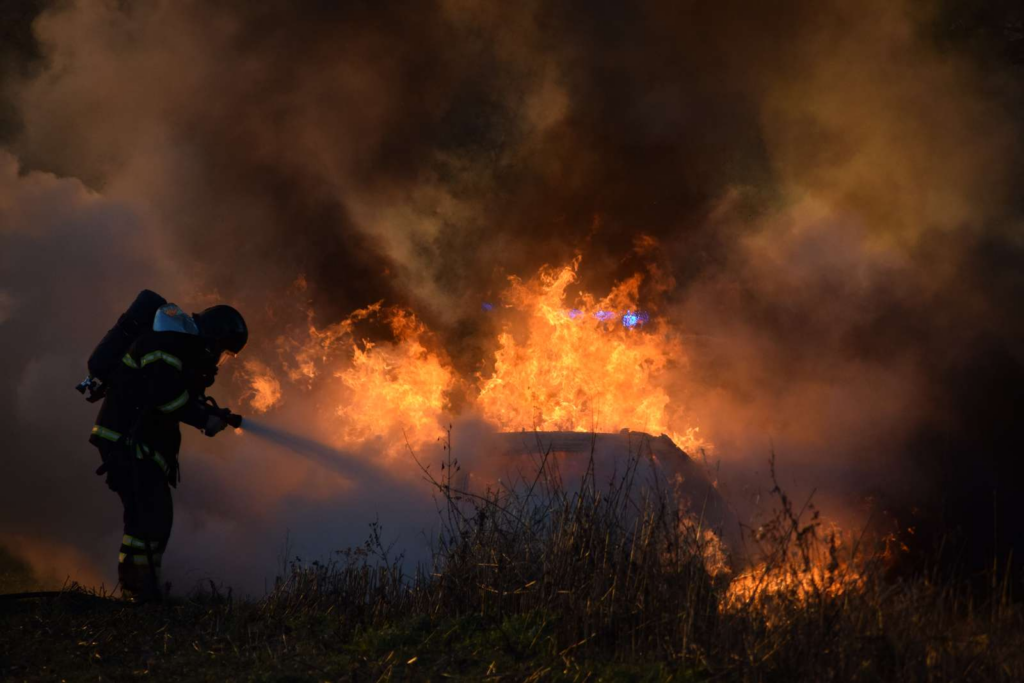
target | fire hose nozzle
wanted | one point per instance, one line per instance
(233, 419)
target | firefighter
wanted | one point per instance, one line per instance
(160, 382)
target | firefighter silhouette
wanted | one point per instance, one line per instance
(156, 365)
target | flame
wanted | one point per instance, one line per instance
(808, 566)
(395, 390)
(562, 362)
(761, 584)
(264, 389)
(577, 367)
(305, 356)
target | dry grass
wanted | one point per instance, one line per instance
(538, 580)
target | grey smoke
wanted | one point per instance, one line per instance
(832, 197)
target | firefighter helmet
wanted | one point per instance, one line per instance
(170, 318)
(224, 326)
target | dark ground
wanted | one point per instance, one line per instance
(81, 638)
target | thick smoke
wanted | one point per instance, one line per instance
(822, 197)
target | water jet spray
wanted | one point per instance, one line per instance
(312, 450)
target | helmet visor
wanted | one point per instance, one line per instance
(225, 356)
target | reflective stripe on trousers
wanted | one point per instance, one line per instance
(123, 558)
(133, 551)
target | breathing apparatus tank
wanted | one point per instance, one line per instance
(107, 355)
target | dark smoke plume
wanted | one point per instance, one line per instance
(824, 195)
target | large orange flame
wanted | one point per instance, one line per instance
(397, 390)
(575, 367)
(559, 365)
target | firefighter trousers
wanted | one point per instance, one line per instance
(148, 516)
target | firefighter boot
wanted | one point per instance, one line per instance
(139, 582)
